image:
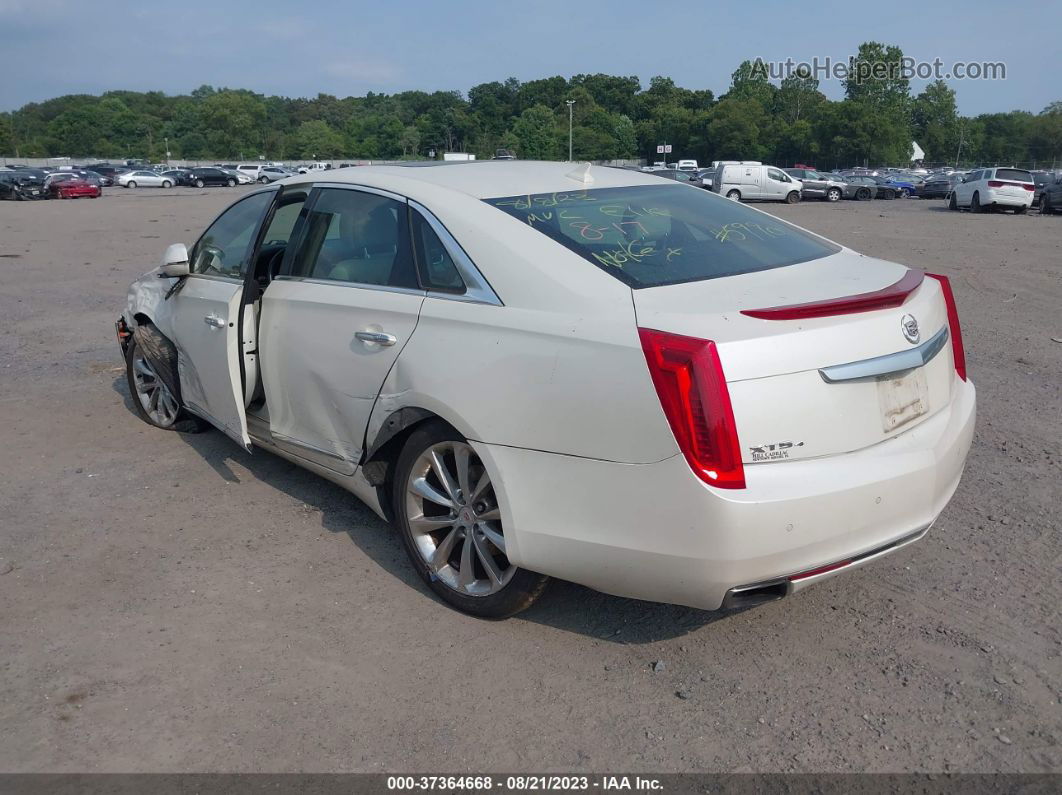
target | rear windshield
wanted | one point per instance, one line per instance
(652, 235)
(1016, 174)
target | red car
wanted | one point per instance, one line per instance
(74, 189)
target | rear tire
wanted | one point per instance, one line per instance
(863, 194)
(1020, 210)
(263, 180)
(975, 204)
(130, 184)
(451, 520)
(793, 197)
(734, 195)
(199, 183)
(167, 184)
(1045, 208)
(157, 395)
(232, 183)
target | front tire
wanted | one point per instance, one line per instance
(792, 198)
(156, 395)
(833, 195)
(199, 183)
(263, 180)
(447, 513)
(952, 204)
(975, 204)
(232, 183)
(1045, 208)
(130, 184)
(167, 184)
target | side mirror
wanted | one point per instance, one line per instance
(175, 261)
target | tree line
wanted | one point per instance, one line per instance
(613, 117)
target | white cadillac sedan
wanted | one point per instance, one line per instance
(544, 370)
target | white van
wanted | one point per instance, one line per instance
(750, 182)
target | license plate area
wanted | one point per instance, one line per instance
(902, 398)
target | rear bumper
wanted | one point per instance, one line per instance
(1008, 199)
(655, 532)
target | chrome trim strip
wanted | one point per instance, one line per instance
(352, 186)
(477, 288)
(888, 364)
(732, 598)
(337, 283)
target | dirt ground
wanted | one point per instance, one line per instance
(171, 603)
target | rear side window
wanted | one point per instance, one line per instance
(652, 235)
(1014, 174)
(356, 237)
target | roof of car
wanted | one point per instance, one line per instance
(485, 179)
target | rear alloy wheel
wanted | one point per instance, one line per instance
(130, 184)
(734, 195)
(793, 197)
(448, 514)
(199, 183)
(833, 195)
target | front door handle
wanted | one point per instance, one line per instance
(376, 336)
(214, 321)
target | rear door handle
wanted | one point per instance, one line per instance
(214, 321)
(376, 336)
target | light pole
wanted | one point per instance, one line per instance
(569, 103)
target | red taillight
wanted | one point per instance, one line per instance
(1028, 186)
(995, 183)
(689, 381)
(958, 352)
(820, 570)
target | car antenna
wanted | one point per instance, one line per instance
(581, 173)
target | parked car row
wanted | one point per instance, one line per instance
(31, 184)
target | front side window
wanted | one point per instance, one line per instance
(224, 249)
(652, 235)
(777, 175)
(356, 237)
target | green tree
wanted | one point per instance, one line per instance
(935, 122)
(536, 134)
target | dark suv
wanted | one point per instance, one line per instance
(201, 177)
(20, 185)
(1051, 194)
(816, 186)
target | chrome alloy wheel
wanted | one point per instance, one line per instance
(454, 520)
(158, 402)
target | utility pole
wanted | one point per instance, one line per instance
(569, 103)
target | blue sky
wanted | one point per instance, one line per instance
(344, 48)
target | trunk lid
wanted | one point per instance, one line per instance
(784, 407)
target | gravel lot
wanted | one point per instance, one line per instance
(170, 603)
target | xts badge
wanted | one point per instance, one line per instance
(773, 452)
